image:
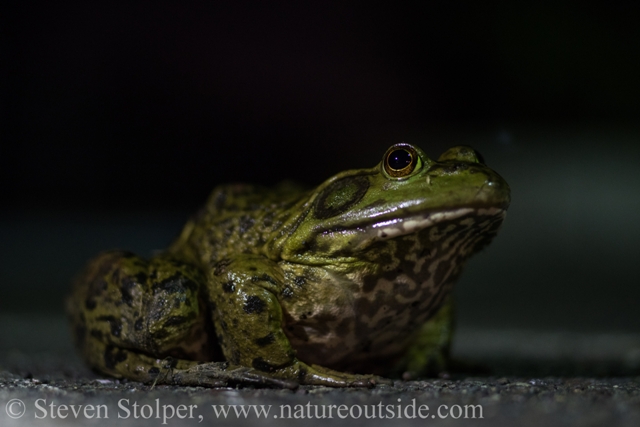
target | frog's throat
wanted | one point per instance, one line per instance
(403, 226)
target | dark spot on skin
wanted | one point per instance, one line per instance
(266, 340)
(221, 266)
(340, 195)
(300, 281)
(138, 325)
(113, 356)
(116, 326)
(125, 289)
(90, 304)
(287, 292)
(369, 283)
(97, 287)
(254, 304)
(96, 334)
(228, 287)
(303, 316)
(252, 268)
(141, 278)
(177, 303)
(175, 320)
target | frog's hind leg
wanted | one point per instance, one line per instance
(123, 303)
(145, 321)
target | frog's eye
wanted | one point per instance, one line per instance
(401, 160)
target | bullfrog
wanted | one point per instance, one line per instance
(344, 285)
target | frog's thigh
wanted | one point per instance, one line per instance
(429, 353)
(123, 305)
(247, 314)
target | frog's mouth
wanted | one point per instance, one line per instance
(402, 226)
(343, 242)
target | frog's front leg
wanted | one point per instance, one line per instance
(429, 353)
(248, 319)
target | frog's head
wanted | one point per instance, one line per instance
(407, 193)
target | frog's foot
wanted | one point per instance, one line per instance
(221, 374)
(125, 363)
(319, 375)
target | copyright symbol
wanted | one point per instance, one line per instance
(15, 408)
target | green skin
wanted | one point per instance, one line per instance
(280, 287)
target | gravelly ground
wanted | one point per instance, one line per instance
(525, 393)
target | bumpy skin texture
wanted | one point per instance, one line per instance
(282, 286)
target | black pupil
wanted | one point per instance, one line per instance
(399, 159)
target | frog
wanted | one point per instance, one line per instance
(344, 285)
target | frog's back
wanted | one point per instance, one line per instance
(237, 218)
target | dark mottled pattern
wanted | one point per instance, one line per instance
(220, 267)
(116, 325)
(113, 356)
(414, 276)
(254, 305)
(228, 287)
(266, 340)
(175, 284)
(125, 289)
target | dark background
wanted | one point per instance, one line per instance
(117, 121)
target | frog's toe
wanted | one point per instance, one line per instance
(249, 376)
(369, 381)
(319, 375)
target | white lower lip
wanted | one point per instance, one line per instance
(390, 229)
